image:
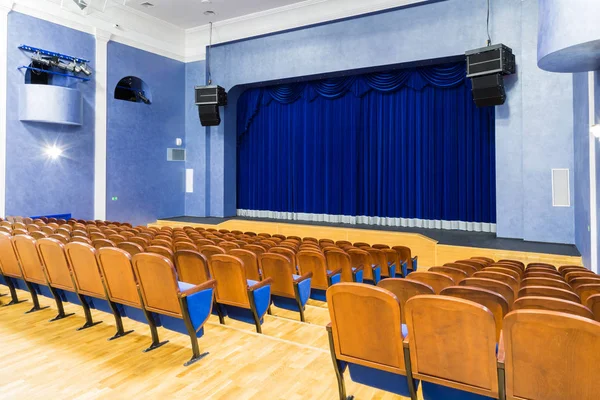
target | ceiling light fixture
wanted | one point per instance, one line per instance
(595, 130)
(209, 13)
(53, 152)
(147, 4)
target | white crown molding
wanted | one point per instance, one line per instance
(125, 26)
(296, 15)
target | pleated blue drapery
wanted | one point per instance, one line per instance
(406, 147)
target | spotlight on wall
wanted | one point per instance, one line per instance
(53, 152)
(595, 130)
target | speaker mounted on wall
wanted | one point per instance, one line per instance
(487, 67)
(208, 100)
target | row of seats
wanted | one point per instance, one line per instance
(451, 347)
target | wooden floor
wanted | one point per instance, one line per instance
(52, 360)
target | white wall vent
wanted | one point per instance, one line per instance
(561, 192)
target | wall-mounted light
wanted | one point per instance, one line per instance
(595, 130)
(53, 152)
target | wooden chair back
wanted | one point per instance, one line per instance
(250, 262)
(578, 282)
(506, 271)
(535, 340)
(493, 285)
(314, 262)
(52, 254)
(361, 258)
(232, 285)
(556, 283)
(184, 245)
(405, 289)
(457, 275)
(593, 304)
(536, 274)
(280, 269)
(210, 250)
(228, 246)
(191, 266)
(548, 291)
(9, 263)
(60, 238)
(158, 283)
(486, 259)
(163, 251)
(479, 265)
(520, 264)
(143, 242)
(115, 266)
(360, 313)
(379, 258)
(463, 357)
(492, 300)
(546, 270)
(551, 304)
(405, 255)
(286, 251)
(579, 274)
(565, 269)
(80, 239)
(131, 248)
(85, 269)
(29, 259)
(436, 280)
(339, 259)
(498, 276)
(468, 269)
(541, 265)
(100, 243)
(586, 290)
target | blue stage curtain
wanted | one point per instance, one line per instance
(406, 144)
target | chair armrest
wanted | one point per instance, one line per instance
(260, 284)
(328, 327)
(405, 343)
(335, 272)
(304, 277)
(359, 268)
(210, 284)
(501, 351)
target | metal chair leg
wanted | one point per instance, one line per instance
(89, 321)
(339, 371)
(156, 343)
(299, 302)
(254, 312)
(34, 299)
(118, 321)
(196, 356)
(13, 293)
(59, 305)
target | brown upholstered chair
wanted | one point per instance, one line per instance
(376, 312)
(315, 264)
(493, 285)
(548, 291)
(537, 339)
(551, 304)
(462, 358)
(457, 275)
(245, 300)
(436, 280)
(405, 289)
(288, 290)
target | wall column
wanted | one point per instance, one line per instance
(593, 188)
(102, 39)
(5, 8)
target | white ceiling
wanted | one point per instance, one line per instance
(190, 13)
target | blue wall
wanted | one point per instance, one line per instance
(36, 185)
(148, 186)
(534, 120)
(581, 183)
(197, 144)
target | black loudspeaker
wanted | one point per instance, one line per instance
(209, 115)
(488, 90)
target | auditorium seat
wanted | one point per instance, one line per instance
(243, 299)
(536, 274)
(457, 363)
(436, 280)
(491, 300)
(285, 251)
(59, 276)
(163, 251)
(393, 259)
(361, 258)
(191, 266)
(184, 245)
(379, 259)
(209, 250)
(88, 281)
(551, 356)
(569, 276)
(593, 304)
(551, 304)
(498, 276)
(11, 272)
(457, 275)
(360, 314)
(406, 257)
(548, 291)
(33, 273)
(337, 259)
(584, 291)
(478, 264)
(121, 287)
(314, 262)
(508, 271)
(556, 283)
(131, 248)
(250, 263)
(288, 290)
(183, 307)
(486, 259)
(468, 269)
(565, 269)
(541, 265)
(546, 270)
(520, 264)
(493, 285)
(100, 243)
(405, 289)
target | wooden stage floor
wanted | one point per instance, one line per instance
(290, 361)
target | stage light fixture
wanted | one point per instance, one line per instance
(53, 152)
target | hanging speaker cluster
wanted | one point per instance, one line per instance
(487, 67)
(208, 100)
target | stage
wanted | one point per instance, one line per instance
(433, 246)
